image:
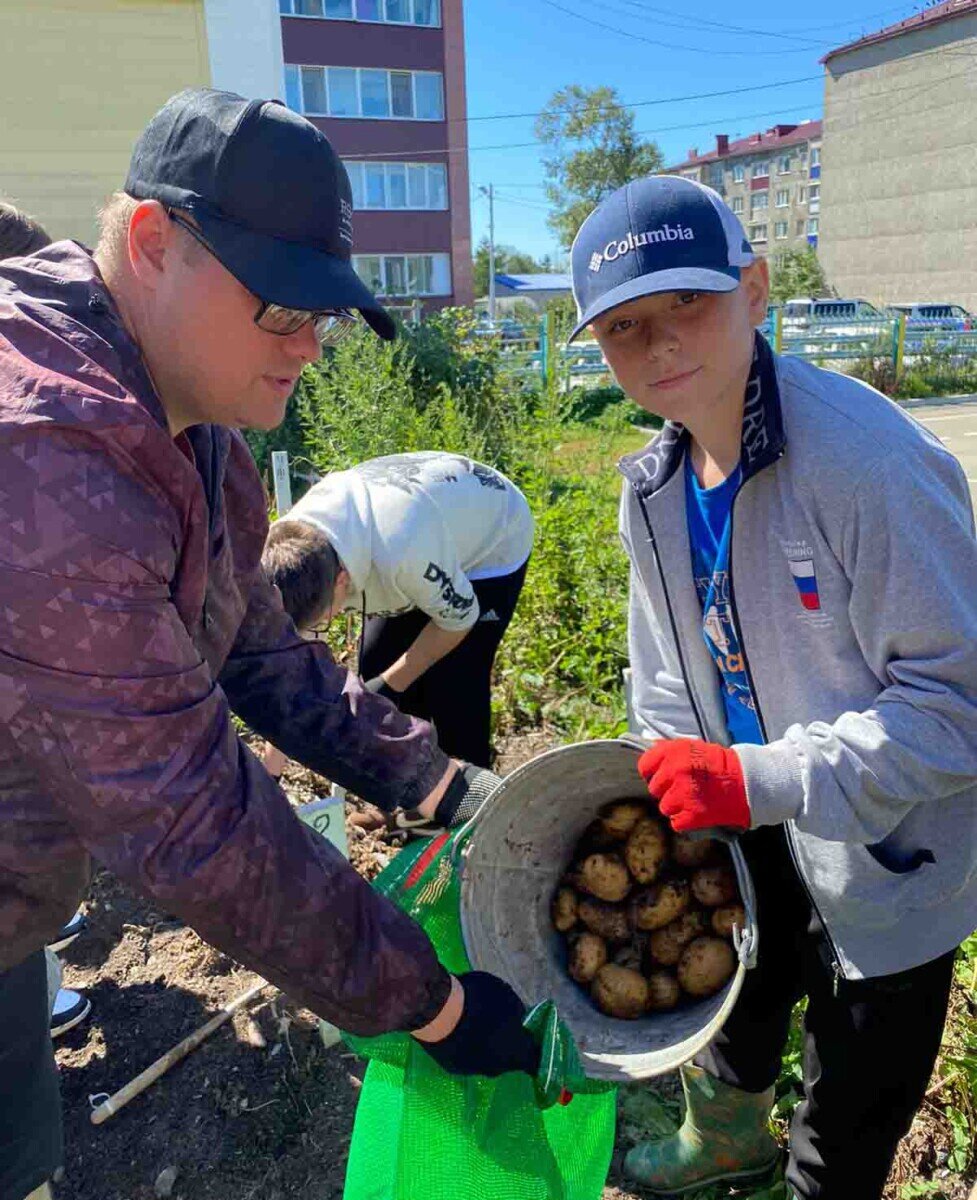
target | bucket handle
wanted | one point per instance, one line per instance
(746, 941)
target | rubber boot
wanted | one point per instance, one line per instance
(723, 1139)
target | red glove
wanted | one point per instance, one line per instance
(699, 785)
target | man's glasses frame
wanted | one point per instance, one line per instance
(332, 325)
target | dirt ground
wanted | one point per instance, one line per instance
(262, 1111)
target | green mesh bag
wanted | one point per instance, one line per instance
(421, 1134)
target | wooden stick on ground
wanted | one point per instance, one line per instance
(180, 1051)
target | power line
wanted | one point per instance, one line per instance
(637, 37)
(690, 22)
(795, 36)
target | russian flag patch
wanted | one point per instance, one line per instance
(802, 570)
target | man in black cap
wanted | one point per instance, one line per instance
(136, 616)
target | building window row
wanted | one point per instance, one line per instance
(405, 274)
(365, 92)
(385, 12)
(398, 185)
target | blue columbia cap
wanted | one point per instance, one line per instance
(665, 233)
(267, 190)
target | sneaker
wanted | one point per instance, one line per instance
(77, 924)
(70, 1009)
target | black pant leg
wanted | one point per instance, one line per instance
(457, 691)
(30, 1104)
(747, 1051)
(868, 1055)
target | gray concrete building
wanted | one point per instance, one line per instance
(899, 206)
(771, 180)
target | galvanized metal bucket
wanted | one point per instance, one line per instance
(519, 846)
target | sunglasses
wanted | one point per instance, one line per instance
(332, 325)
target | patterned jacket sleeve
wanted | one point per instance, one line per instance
(293, 693)
(126, 738)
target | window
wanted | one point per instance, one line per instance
(759, 201)
(800, 228)
(780, 229)
(761, 170)
(783, 197)
(812, 226)
(738, 205)
(389, 12)
(814, 198)
(815, 156)
(758, 233)
(784, 165)
(401, 98)
(802, 195)
(428, 98)
(343, 91)
(393, 185)
(395, 275)
(739, 173)
(314, 90)
(365, 92)
(374, 93)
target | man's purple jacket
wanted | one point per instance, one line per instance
(134, 618)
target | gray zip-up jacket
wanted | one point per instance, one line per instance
(866, 687)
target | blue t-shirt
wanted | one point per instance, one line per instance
(708, 512)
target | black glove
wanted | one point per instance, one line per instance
(464, 796)
(380, 687)
(490, 1038)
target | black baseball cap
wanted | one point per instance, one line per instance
(269, 193)
(663, 233)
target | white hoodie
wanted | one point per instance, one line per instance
(414, 531)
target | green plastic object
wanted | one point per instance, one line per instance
(421, 1133)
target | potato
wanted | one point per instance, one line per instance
(666, 945)
(588, 954)
(564, 909)
(658, 906)
(619, 819)
(609, 921)
(713, 886)
(664, 992)
(646, 850)
(620, 992)
(604, 876)
(594, 838)
(688, 851)
(725, 917)
(705, 966)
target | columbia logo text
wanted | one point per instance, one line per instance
(617, 249)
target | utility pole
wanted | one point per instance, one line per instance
(489, 191)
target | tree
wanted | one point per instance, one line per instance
(796, 272)
(594, 150)
(508, 261)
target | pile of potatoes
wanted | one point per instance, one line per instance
(648, 915)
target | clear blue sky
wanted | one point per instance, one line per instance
(521, 51)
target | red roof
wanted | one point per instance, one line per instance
(776, 138)
(929, 16)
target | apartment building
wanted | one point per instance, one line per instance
(900, 131)
(771, 180)
(385, 80)
(82, 77)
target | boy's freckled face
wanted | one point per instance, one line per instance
(674, 349)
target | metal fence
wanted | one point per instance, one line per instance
(838, 343)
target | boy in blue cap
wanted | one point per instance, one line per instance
(803, 643)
